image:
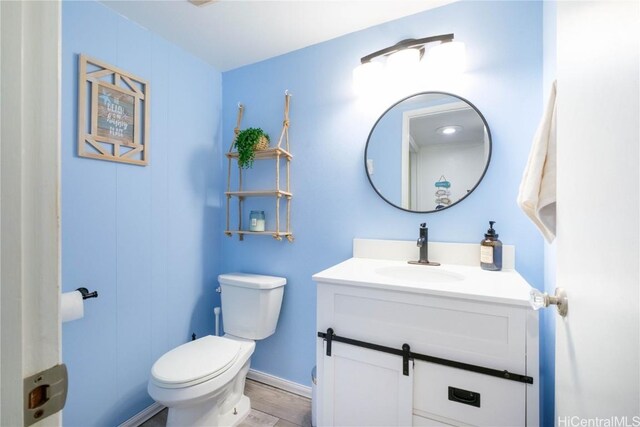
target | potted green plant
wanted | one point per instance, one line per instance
(248, 141)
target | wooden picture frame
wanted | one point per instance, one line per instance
(113, 113)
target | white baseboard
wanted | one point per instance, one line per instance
(281, 383)
(143, 415)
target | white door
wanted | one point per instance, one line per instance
(597, 344)
(29, 214)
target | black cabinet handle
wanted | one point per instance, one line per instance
(465, 397)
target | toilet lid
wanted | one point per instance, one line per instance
(195, 362)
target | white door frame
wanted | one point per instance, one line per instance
(29, 198)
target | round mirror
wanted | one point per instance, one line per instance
(428, 152)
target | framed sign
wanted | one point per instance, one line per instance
(113, 114)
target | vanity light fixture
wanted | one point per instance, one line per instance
(404, 60)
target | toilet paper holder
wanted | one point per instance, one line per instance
(86, 294)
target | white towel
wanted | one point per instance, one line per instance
(537, 197)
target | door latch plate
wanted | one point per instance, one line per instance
(45, 393)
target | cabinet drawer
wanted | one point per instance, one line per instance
(468, 397)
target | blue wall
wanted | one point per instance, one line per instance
(146, 238)
(333, 201)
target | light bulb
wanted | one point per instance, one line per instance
(403, 59)
(447, 58)
(366, 77)
(401, 71)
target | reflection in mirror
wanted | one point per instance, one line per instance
(428, 152)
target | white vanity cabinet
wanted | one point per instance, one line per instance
(481, 318)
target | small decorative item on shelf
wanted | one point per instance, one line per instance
(442, 193)
(247, 143)
(257, 221)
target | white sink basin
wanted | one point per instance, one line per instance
(419, 274)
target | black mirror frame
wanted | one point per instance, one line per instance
(484, 172)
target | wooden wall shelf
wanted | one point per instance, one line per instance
(275, 153)
(259, 193)
(278, 235)
(269, 153)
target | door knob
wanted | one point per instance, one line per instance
(539, 300)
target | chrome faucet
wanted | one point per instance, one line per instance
(423, 244)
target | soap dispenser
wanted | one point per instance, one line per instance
(491, 250)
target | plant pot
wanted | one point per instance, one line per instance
(262, 144)
(247, 143)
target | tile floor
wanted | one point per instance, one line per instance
(270, 407)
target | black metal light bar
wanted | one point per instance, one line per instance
(406, 44)
(407, 354)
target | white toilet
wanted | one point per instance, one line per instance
(202, 381)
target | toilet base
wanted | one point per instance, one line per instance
(242, 409)
(180, 417)
(217, 402)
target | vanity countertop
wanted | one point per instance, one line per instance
(448, 280)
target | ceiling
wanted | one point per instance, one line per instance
(424, 129)
(231, 33)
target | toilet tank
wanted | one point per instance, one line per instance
(251, 304)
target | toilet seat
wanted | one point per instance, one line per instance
(195, 362)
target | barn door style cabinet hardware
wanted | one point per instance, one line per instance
(407, 356)
(280, 152)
